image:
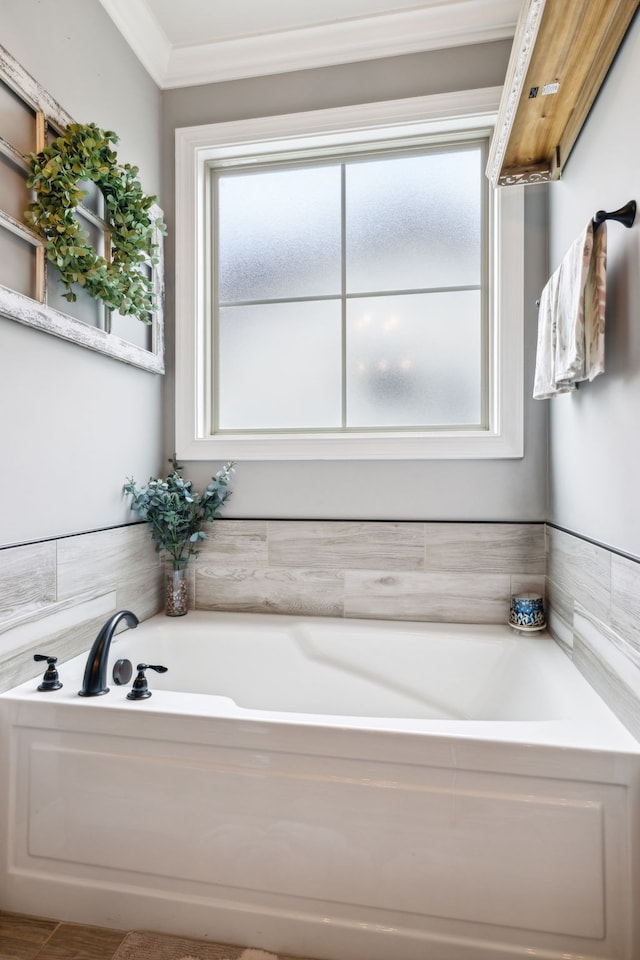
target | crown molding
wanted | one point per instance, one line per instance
(143, 34)
(431, 27)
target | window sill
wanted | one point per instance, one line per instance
(444, 445)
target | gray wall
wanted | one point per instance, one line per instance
(594, 452)
(75, 424)
(462, 490)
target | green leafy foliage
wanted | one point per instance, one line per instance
(84, 152)
(176, 512)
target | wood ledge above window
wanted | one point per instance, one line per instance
(561, 54)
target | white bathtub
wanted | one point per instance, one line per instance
(330, 788)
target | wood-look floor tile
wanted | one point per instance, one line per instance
(73, 941)
(22, 937)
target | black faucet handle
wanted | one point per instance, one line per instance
(151, 666)
(50, 680)
(140, 688)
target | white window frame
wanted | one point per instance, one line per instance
(197, 147)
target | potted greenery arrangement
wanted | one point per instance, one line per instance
(177, 514)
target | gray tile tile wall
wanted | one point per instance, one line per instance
(28, 577)
(442, 597)
(122, 559)
(55, 595)
(580, 569)
(610, 665)
(625, 598)
(593, 608)
(295, 590)
(494, 547)
(340, 545)
(61, 630)
(410, 571)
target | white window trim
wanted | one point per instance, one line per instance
(197, 146)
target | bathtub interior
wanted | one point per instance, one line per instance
(319, 669)
(363, 669)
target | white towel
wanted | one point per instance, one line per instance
(544, 384)
(595, 302)
(571, 317)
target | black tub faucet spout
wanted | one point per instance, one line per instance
(94, 683)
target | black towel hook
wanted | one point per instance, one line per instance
(625, 215)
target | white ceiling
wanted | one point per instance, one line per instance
(185, 42)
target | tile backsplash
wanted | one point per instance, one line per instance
(593, 607)
(55, 595)
(452, 572)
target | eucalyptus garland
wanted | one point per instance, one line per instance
(84, 152)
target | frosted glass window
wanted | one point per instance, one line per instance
(414, 222)
(279, 234)
(348, 292)
(414, 360)
(280, 366)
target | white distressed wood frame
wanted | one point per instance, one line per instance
(35, 311)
